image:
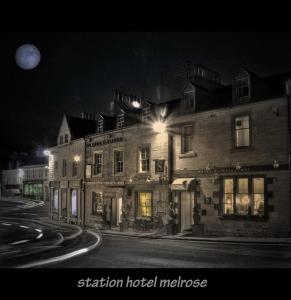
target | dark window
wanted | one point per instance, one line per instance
(61, 139)
(120, 120)
(187, 139)
(64, 168)
(100, 125)
(244, 196)
(118, 161)
(74, 168)
(146, 114)
(144, 159)
(64, 202)
(242, 87)
(242, 131)
(66, 138)
(188, 100)
(98, 162)
(56, 165)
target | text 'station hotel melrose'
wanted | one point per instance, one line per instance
(213, 162)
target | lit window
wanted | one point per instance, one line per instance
(187, 138)
(64, 168)
(97, 203)
(249, 198)
(242, 131)
(242, 87)
(120, 120)
(74, 203)
(98, 162)
(146, 114)
(61, 139)
(118, 161)
(144, 159)
(100, 125)
(145, 205)
(56, 200)
(228, 197)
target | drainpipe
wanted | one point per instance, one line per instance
(83, 183)
(288, 91)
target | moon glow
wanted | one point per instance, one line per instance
(27, 57)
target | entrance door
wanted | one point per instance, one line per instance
(186, 206)
(113, 211)
(119, 210)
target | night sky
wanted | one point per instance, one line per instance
(79, 71)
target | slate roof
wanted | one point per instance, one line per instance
(80, 127)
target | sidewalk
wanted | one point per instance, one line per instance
(185, 237)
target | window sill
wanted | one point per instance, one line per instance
(243, 218)
(188, 155)
(242, 149)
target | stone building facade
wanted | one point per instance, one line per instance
(215, 161)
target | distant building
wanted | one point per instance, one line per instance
(35, 181)
(215, 161)
(12, 182)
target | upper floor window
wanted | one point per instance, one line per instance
(244, 196)
(100, 125)
(56, 165)
(74, 168)
(242, 88)
(187, 138)
(144, 159)
(146, 114)
(118, 161)
(242, 131)
(61, 139)
(66, 138)
(64, 168)
(120, 120)
(98, 163)
(40, 173)
(188, 101)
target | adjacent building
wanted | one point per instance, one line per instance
(215, 161)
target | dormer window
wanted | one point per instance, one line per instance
(242, 87)
(100, 124)
(188, 101)
(146, 114)
(66, 138)
(120, 120)
(61, 140)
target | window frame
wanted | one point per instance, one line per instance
(251, 194)
(147, 146)
(74, 169)
(234, 130)
(71, 208)
(183, 136)
(97, 213)
(95, 166)
(241, 78)
(64, 168)
(120, 122)
(100, 125)
(138, 204)
(115, 172)
(146, 116)
(61, 140)
(66, 138)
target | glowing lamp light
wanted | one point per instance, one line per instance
(159, 126)
(76, 158)
(135, 104)
(46, 152)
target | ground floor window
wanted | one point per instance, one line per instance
(33, 190)
(56, 200)
(74, 203)
(145, 204)
(244, 196)
(97, 203)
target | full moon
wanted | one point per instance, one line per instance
(27, 56)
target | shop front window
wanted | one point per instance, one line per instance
(56, 200)
(97, 203)
(145, 204)
(74, 203)
(244, 196)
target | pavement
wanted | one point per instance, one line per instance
(185, 236)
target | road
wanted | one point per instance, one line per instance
(117, 251)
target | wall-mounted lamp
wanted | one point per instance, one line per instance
(207, 168)
(130, 180)
(148, 179)
(276, 164)
(159, 126)
(76, 158)
(46, 152)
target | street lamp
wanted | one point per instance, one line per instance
(76, 158)
(46, 152)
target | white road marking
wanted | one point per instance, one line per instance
(38, 230)
(22, 226)
(6, 224)
(39, 236)
(65, 256)
(19, 242)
